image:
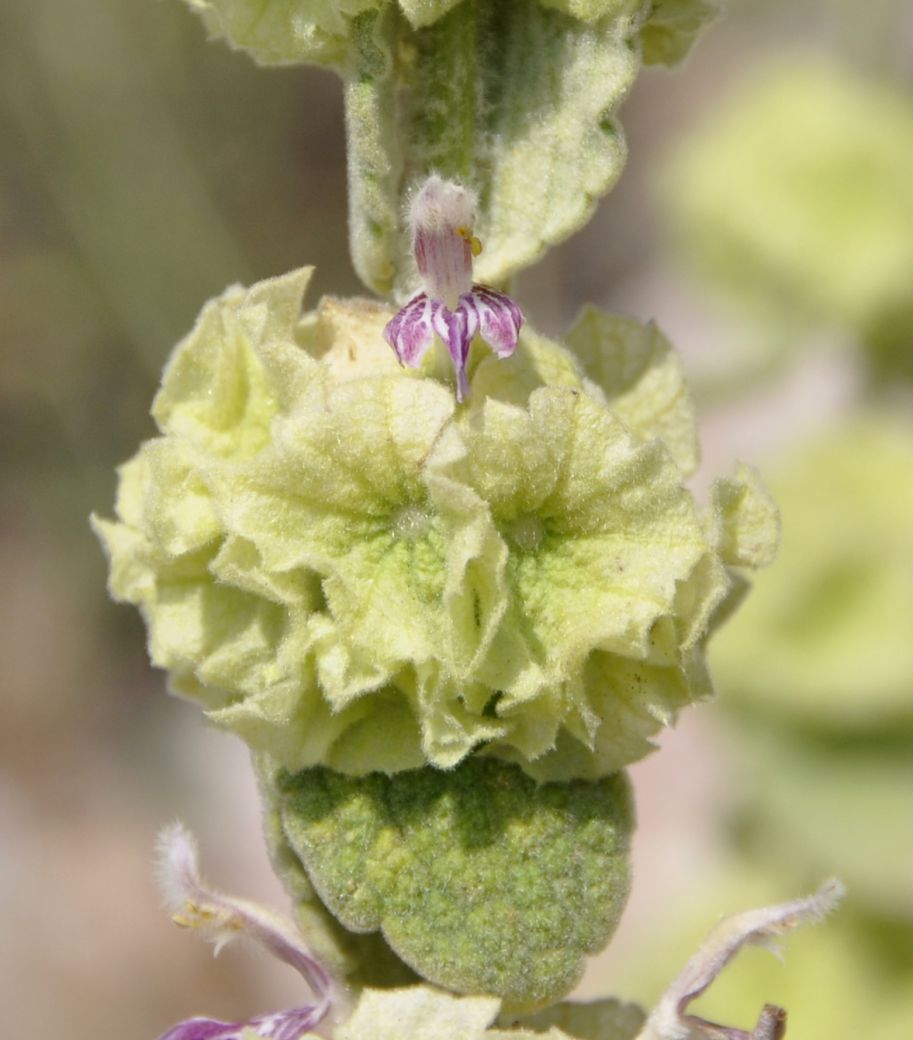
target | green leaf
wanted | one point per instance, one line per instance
(364, 960)
(516, 101)
(480, 879)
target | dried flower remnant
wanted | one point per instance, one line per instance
(450, 306)
(220, 919)
(670, 1020)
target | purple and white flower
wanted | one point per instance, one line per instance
(220, 919)
(450, 306)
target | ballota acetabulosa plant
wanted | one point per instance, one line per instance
(441, 573)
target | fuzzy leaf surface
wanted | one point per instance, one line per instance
(479, 879)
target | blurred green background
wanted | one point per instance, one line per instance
(765, 219)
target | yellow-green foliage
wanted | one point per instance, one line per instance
(819, 664)
(425, 1013)
(798, 197)
(825, 639)
(348, 569)
(283, 31)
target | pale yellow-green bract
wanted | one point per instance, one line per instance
(278, 32)
(825, 640)
(797, 198)
(282, 32)
(672, 27)
(818, 668)
(426, 1013)
(346, 568)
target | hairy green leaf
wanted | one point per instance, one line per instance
(480, 879)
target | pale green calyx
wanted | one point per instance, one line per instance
(517, 100)
(347, 568)
(745, 515)
(285, 32)
(672, 27)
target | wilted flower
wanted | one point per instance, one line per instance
(220, 919)
(670, 1019)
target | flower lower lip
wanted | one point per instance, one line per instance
(491, 315)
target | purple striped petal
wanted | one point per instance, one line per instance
(482, 311)
(409, 331)
(456, 329)
(281, 1025)
(499, 318)
(442, 214)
